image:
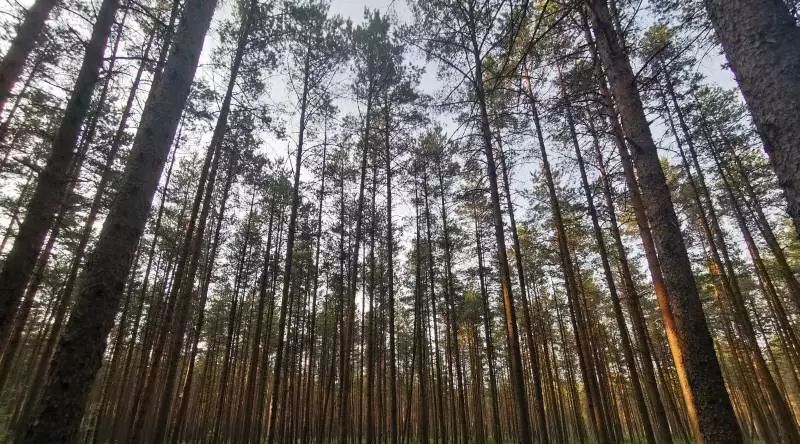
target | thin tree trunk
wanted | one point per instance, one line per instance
(487, 331)
(627, 349)
(533, 346)
(419, 331)
(635, 310)
(274, 403)
(525, 433)
(390, 282)
(347, 337)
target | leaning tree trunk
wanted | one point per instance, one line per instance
(53, 181)
(762, 43)
(709, 406)
(80, 351)
(14, 61)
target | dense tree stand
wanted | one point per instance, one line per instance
(451, 222)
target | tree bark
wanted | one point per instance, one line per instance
(762, 43)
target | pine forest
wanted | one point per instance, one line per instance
(399, 221)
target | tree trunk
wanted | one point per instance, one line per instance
(183, 403)
(393, 432)
(568, 270)
(274, 403)
(487, 331)
(762, 43)
(627, 349)
(710, 408)
(419, 330)
(79, 354)
(53, 181)
(533, 346)
(350, 303)
(635, 310)
(27, 35)
(524, 432)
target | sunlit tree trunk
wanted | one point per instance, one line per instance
(710, 408)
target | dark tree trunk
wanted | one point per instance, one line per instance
(762, 43)
(27, 35)
(53, 181)
(79, 354)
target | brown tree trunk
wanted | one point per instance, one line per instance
(183, 290)
(312, 328)
(18, 100)
(579, 326)
(709, 405)
(350, 302)
(627, 349)
(186, 389)
(533, 346)
(635, 310)
(753, 202)
(524, 432)
(487, 331)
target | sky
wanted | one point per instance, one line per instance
(710, 65)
